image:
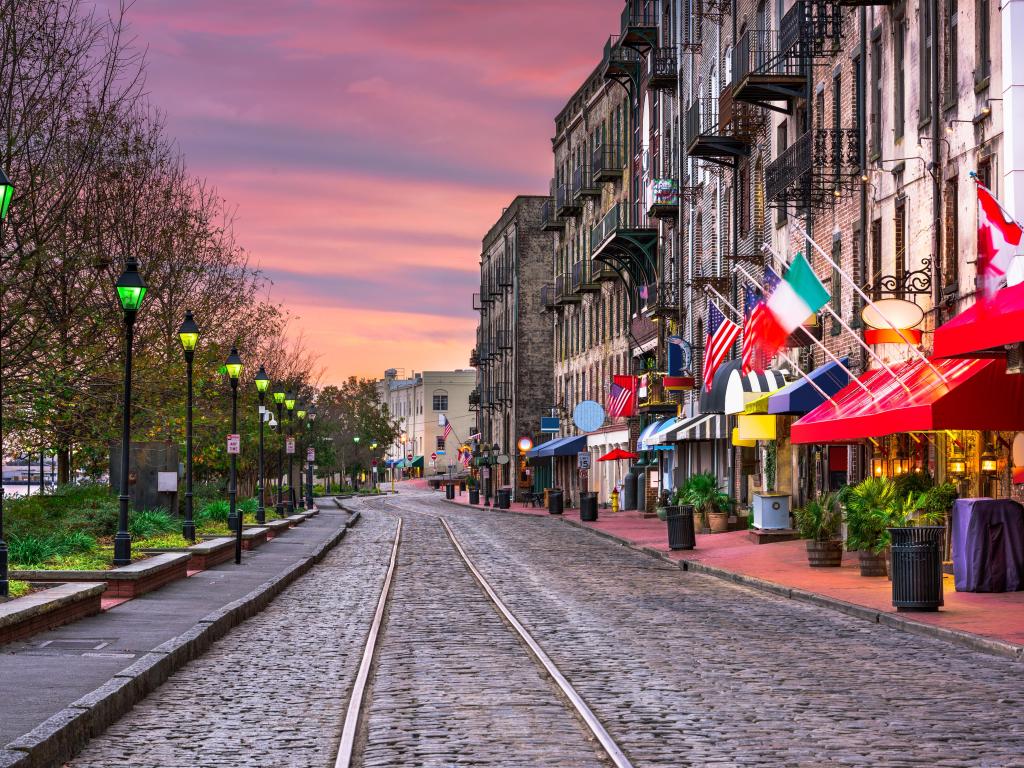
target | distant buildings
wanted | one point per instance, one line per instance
(417, 403)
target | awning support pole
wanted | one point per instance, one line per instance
(787, 358)
(853, 334)
(917, 353)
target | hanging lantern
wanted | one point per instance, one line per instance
(957, 464)
(877, 463)
(988, 461)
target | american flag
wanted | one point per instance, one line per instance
(475, 436)
(753, 305)
(621, 396)
(447, 429)
(722, 332)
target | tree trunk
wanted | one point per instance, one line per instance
(63, 464)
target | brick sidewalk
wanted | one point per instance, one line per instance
(784, 565)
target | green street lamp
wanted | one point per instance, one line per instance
(188, 333)
(131, 290)
(301, 413)
(6, 193)
(289, 404)
(233, 366)
(355, 439)
(262, 382)
(309, 461)
(279, 396)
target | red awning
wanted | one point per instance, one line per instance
(998, 322)
(978, 395)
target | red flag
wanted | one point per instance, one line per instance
(622, 396)
(998, 238)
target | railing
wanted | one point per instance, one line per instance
(582, 183)
(474, 397)
(639, 14)
(580, 274)
(820, 159)
(504, 339)
(765, 52)
(620, 58)
(607, 160)
(621, 216)
(564, 200)
(548, 220)
(563, 286)
(547, 296)
(664, 67)
(721, 117)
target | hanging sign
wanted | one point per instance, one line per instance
(234, 444)
(549, 424)
(289, 445)
(311, 455)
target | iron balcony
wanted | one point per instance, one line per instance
(547, 297)
(664, 72)
(582, 280)
(608, 162)
(566, 203)
(583, 184)
(563, 290)
(820, 166)
(720, 130)
(549, 222)
(639, 23)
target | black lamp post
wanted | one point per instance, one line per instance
(262, 383)
(279, 395)
(309, 486)
(131, 290)
(6, 193)
(289, 404)
(300, 412)
(233, 365)
(189, 335)
(490, 471)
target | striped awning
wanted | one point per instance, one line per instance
(706, 426)
(731, 390)
(643, 443)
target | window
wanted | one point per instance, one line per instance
(952, 54)
(899, 42)
(440, 442)
(874, 280)
(876, 95)
(924, 61)
(440, 400)
(982, 25)
(900, 244)
(951, 261)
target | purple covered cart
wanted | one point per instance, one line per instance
(988, 545)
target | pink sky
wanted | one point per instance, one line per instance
(368, 146)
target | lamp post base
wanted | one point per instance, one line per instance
(5, 585)
(123, 548)
(232, 522)
(261, 516)
(279, 509)
(188, 530)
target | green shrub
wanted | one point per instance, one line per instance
(18, 588)
(34, 551)
(150, 522)
(248, 506)
(213, 512)
(162, 541)
(819, 519)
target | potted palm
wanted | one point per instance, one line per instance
(708, 498)
(870, 506)
(818, 521)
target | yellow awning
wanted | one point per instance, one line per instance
(759, 404)
(736, 441)
(751, 427)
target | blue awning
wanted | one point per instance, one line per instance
(799, 397)
(562, 446)
(648, 432)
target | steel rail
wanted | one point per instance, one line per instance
(355, 702)
(586, 714)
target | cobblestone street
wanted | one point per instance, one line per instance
(681, 668)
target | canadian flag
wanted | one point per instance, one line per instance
(998, 237)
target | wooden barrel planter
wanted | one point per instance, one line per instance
(824, 554)
(872, 564)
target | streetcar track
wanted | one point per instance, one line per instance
(360, 702)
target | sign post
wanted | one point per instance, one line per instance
(289, 445)
(234, 444)
(583, 462)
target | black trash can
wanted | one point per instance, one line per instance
(504, 498)
(917, 567)
(474, 495)
(462, 487)
(555, 501)
(681, 534)
(449, 491)
(588, 507)
(627, 499)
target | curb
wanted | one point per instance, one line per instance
(979, 643)
(61, 736)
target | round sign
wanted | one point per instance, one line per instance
(901, 313)
(588, 415)
(409, 456)
(502, 458)
(525, 444)
(433, 457)
(374, 462)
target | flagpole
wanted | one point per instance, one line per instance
(832, 313)
(917, 353)
(854, 378)
(974, 177)
(788, 359)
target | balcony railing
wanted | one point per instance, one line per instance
(504, 340)
(639, 22)
(816, 169)
(721, 129)
(564, 293)
(620, 217)
(547, 296)
(766, 52)
(474, 358)
(582, 280)
(608, 161)
(600, 271)
(620, 61)
(664, 68)
(549, 222)
(565, 202)
(583, 183)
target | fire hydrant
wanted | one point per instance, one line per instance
(615, 500)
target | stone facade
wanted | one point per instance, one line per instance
(513, 353)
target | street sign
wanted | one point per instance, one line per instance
(588, 415)
(486, 472)
(549, 424)
(311, 454)
(502, 458)
(583, 460)
(374, 462)
(289, 445)
(408, 456)
(433, 457)
(234, 444)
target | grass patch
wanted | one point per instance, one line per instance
(18, 588)
(151, 522)
(163, 541)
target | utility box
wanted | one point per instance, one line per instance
(146, 463)
(771, 511)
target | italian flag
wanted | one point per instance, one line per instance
(790, 302)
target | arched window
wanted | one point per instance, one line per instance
(440, 400)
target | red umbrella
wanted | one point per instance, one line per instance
(618, 453)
